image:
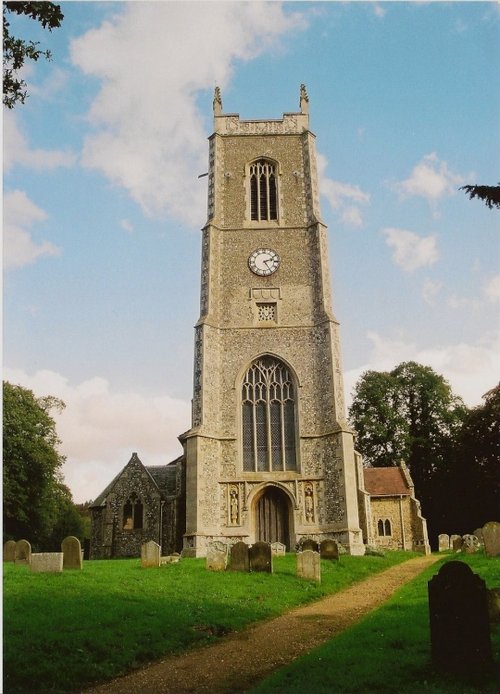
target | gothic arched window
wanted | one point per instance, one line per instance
(268, 417)
(133, 513)
(384, 527)
(263, 191)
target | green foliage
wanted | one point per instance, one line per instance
(37, 505)
(489, 194)
(16, 51)
(410, 414)
(64, 631)
(476, 467)
(388, 651)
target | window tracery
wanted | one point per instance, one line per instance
(263, 191)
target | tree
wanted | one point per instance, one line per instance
(475, 485)
(33, 490)
(490, 194)
(16, 51)
(410, 414)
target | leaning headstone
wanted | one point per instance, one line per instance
(216, 558)
(23, 552)
(443, 542)
(72, 551)
(239, 559)
(47, 562)
(329, 549)
(9, 550)
(150, 554)
(478, 532)
(470, 544)
(459, 621)
(456, 543)
(491, 539)
(309, 565)
(261, 557)
(278, 549)
(309, 543)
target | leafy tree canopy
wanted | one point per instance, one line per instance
(490, 194)
(35, 499)
(16, 51)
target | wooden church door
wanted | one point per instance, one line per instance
(272, 516)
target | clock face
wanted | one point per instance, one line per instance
(264, 261)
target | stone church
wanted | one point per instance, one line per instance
(269, 455)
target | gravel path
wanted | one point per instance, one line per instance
(239, 660)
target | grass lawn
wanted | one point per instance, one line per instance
(65, 631)
(389, 650)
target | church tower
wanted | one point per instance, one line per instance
(269, 455)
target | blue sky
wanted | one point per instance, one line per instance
(103, 206)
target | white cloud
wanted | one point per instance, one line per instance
(431, 179)
(100, 427)
(18, 152)
(19, 214)
(127, 226)
(379, 11)
(342, 197)
(471, 369)
(430, 290)
(492, 288)
(411, 251)
(150, 135)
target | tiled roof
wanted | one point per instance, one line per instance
(385, 481)
(164, 476)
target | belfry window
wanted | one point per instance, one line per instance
(268, 417)
(133, 513)
(263, 191)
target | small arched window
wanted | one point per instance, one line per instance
(263, 191)
(384, 527)
(268, 417)
(387, 527)
(380, 526)
(133, 513)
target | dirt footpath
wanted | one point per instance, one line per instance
(239, 660)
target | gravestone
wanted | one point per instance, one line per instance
(72, 551)
(329, 549)
(470, 544)
(216, 558)
(47, 562)
(443, 542)
(239, 559)
(9, 550)
(278, 549)
(309, 543)
(150, 554)
(23, 552)
(170, 559)
(456, 543)
(261, 557)
(221, 546)
(491, 539)
(309, 565)
(478, 532)
(459, 621)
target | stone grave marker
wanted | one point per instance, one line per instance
(309, 565)
(47, 562)
(459, 621)
(72, 551)
(170, 559)
(239, 559)
(478, 532)
(216, 557)
(261, 557)
(491, 539)
(278, 549)
(456, 543)
(329, 549)
(150, 554)
(9, 550)
(470, 544)
(309, 543)
(23, 552)
(443, 542)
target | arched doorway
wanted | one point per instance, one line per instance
(272, 517)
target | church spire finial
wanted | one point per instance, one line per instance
(217, 103)
(304, 99)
